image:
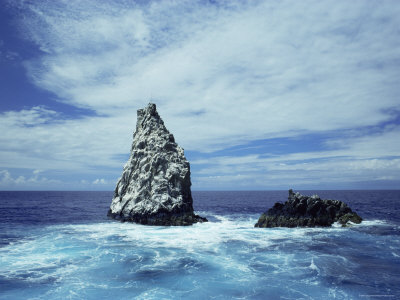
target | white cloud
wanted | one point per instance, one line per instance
(100, 181)
(27, 117)
(253, 75)
(356, 160)
(35, 180)
(222, 75)
(5, 177)
(70, 144)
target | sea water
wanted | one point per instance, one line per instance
(60, 245)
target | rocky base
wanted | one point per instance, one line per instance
(160, 219)
(305, 211)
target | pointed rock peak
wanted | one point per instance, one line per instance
(154, 187)
(149, 111)
(149, 117)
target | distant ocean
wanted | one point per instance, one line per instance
(60, 245)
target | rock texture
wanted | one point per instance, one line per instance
(305, 211)
(154, 188)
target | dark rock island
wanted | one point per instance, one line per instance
(307, 211)
(154, 188)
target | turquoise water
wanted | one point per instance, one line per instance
(66, 249)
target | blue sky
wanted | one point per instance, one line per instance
(260, 94)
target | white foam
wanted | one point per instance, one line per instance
(362, 224)
(373, 223)
(201, 236)
(313, 266)
(62, 252)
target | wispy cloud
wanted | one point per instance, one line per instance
(222, 74)
(352, 161)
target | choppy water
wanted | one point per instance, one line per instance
(60, 245)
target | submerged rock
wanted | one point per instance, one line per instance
(154, 188)
(307, 211)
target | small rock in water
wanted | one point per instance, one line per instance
(154, 188)
(307, 211)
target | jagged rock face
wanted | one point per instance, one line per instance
(154, 188)
(305, 211)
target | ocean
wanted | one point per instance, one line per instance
(60, 245)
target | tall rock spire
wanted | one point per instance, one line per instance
(154, 188)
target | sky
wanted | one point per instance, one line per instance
(262, 95)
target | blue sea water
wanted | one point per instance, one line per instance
(60, 245)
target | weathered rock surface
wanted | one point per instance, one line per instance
(154, 188)
(307, 211)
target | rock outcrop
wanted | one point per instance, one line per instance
(154, 188)
(305, 211)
